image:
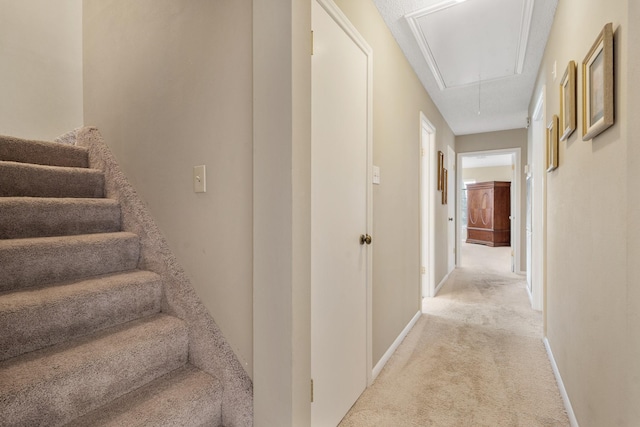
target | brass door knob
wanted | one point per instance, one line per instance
(365, 238)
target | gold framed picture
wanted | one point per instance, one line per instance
(440, 169)
(445, 185)
(552, 144)
(568, 101)
(597, 86)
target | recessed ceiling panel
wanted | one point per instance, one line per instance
(463, 44)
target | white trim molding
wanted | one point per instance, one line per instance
(563, 392)
(387, 355)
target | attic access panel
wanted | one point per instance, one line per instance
(467, 41)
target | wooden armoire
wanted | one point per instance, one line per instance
(488, 211)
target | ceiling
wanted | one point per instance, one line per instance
(477, 59)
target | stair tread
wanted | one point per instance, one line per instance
(44, 201)
(42, 152)
(71, 309)
(22, 217)
(184, 397)
(62, 382)
(25, 179)
(55, 168)
(62, 240)
(36, 261)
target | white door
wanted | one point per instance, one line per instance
(339, 216)
(529, 237)
(451, 208)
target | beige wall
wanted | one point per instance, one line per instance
(514, 138)
(40, 67)
(169, 85)
(493, 173)
(282, 212)
(592, 211)
(398, 98)
(633, 212)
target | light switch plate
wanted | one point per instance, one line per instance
(376, 175)
(199, 179)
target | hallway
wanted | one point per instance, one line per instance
(476, 358)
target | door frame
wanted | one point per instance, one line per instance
(538, 208)
(451, 188)
(427, 206)
(516, 205)
(341, 19)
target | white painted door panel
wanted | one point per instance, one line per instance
(451, 209)
(339, 217)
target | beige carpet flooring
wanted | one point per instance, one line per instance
(476, 358)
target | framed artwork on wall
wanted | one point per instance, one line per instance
(440, 169)
(552, 144)
(568, 101)
(597, 86)
(445, 185)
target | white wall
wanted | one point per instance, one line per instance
(592, 210)
(398, 98)
(40, 67)
(490, 173)
(169, 85)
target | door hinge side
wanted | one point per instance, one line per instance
(311, 390)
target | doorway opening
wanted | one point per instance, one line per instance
(491, 166)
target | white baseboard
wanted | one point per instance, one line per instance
(530, 294)
(385, 358)
(563, 392)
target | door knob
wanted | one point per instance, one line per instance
(365, 238)
(450, 219)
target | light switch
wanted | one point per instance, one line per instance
(376, 175)
(199, 179)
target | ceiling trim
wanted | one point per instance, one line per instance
(412, 21)
(525, 27)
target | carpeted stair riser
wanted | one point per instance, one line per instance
(58, 384)
(42, 260)
(27, 180)
(185, 397)
(42, 153)
(22, 217)
(36, 318)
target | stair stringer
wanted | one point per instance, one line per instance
(208, 349)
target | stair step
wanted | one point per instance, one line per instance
(42, 152)
(22, 217)
(184, 397)
(55, 385)
(36, 318)
(42, 260)
(28, 180)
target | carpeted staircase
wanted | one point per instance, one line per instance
(86, 337)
